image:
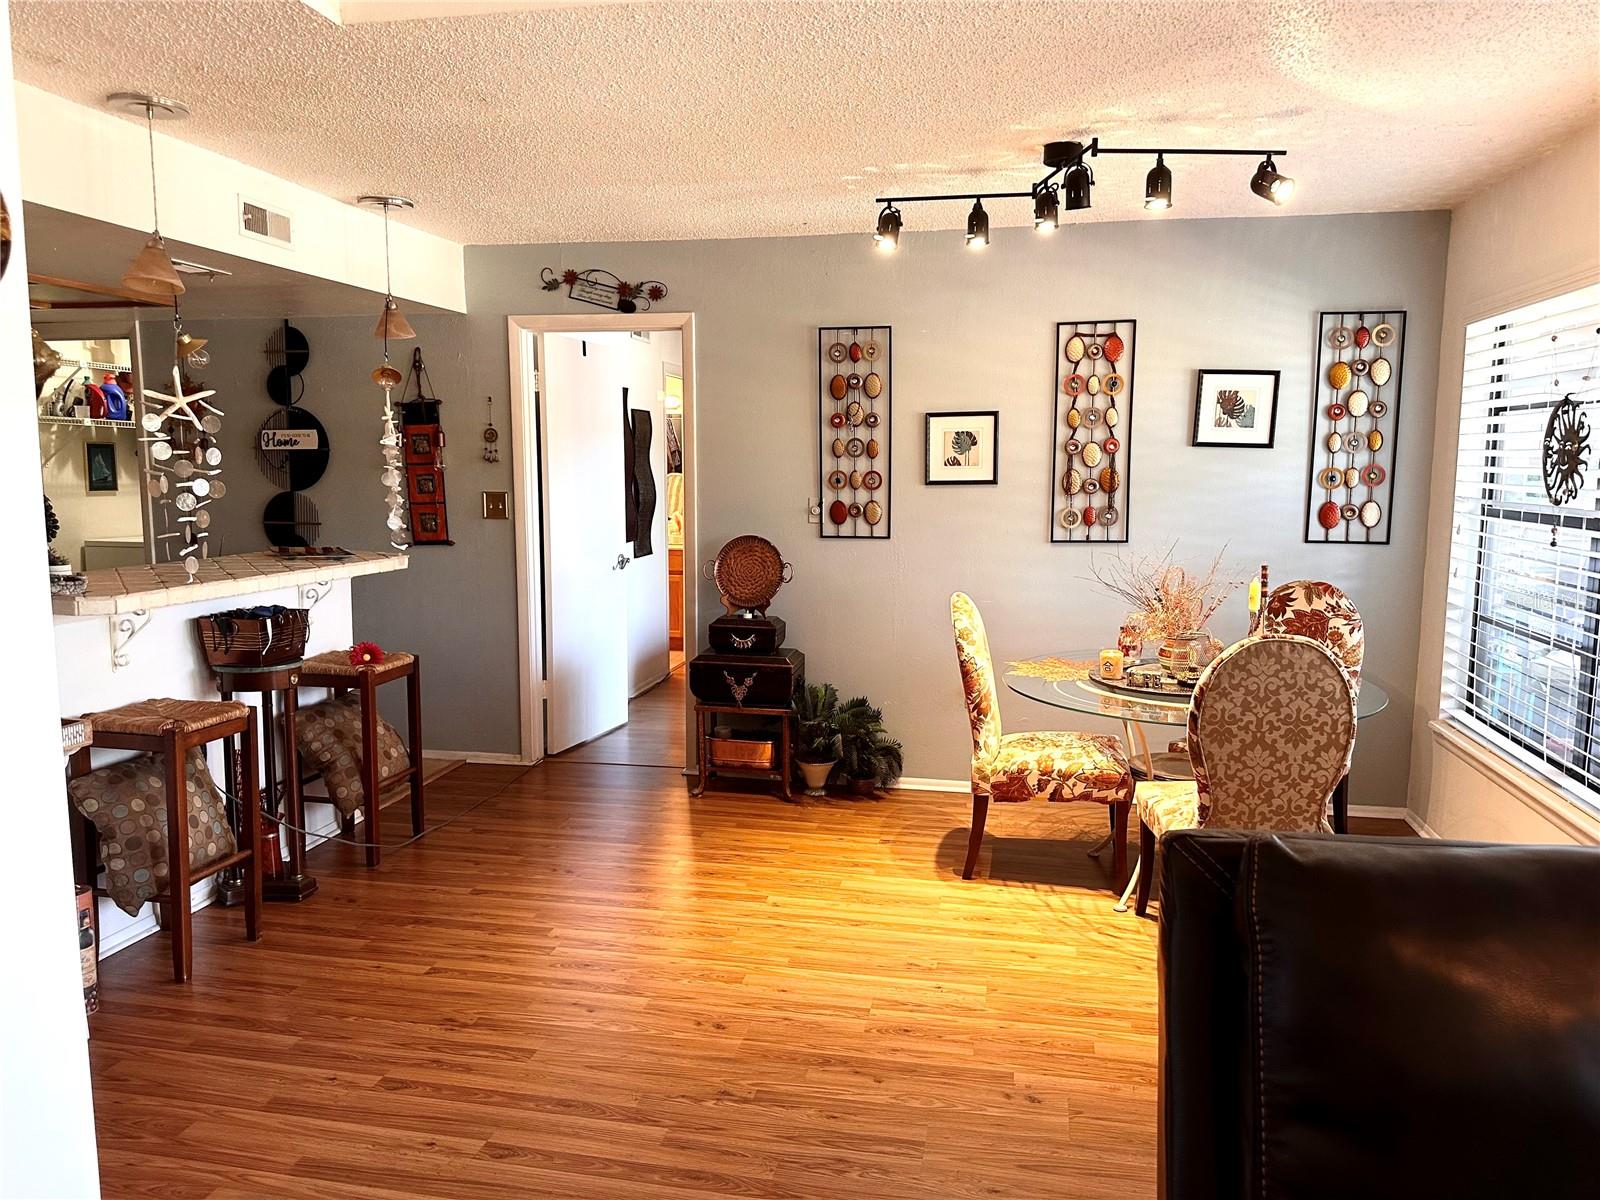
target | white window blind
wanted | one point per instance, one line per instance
(1522, 626)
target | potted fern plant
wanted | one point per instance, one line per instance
(869, 759)
(816, 708)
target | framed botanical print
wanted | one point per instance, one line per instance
(1235, 408)
(100, 466)
(963, 447)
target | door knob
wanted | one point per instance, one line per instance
(622, 563)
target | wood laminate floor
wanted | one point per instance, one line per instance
(653, 736)
(589, 985)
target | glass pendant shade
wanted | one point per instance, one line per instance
(151, 273)
(188, 346)
(392, 324)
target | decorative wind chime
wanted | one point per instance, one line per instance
(179, 428)
(491, 436)
(392, 326)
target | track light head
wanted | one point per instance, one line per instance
(1076, 183)
(888, 233)
(1158, 187)
(1046, 209)
(1269, 185)
(977, 227)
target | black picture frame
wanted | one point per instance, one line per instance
(1200, 392)
(100, 468)
(990, 414)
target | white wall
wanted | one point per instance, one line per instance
(47, 1144)
(1533, 234)
(976, 331)
(200, 191)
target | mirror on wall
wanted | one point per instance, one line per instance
(89, 447)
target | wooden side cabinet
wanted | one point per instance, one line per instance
(675, 599)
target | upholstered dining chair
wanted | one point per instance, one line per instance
(1313, 609)
(1028, 766)
(1272, 726)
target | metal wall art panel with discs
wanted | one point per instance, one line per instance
(853, 430)
(1355, 426)
(1092, 381)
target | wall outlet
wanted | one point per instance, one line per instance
(814, 511)
(495, 507)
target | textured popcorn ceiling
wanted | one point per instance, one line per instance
(721, 120)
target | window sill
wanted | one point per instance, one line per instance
(1536, 793)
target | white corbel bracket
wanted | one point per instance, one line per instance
(124, 629)
(311, 593)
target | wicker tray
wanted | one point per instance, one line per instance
(254, 637)
(748, 572)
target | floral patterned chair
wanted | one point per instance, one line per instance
(1312, 609)
(1271, 729)
(1027, 766)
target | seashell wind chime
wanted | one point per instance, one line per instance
(183, 459)
(392, 326)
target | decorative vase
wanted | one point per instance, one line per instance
(816, 776)
(1185, 655)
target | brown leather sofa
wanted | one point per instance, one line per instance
(1365, 1018)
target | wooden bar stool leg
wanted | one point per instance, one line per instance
(369, 767)
(294, 802)
(414, 720)
(178, 922)
(250, 823)
(85, 846)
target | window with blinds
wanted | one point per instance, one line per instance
(1522, 626)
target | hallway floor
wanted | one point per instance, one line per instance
(653, 736)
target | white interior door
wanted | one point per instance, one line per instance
(586, 604)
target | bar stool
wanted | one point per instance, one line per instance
(279, 880)
(334, 671)
(169, 729)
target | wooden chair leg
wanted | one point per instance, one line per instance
(414, 732)
(1119, 843)
(1147, 866)
(250, 826)
(178, 917)
(369, 768)
(980, 813)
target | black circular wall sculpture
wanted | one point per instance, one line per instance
(291, 519)
(294, 469)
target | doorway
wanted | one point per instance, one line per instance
(602, 445)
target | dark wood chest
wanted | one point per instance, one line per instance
(748, 680)
(746, 635)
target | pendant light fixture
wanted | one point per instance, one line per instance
(392, 326)
(888, 232)
(151, 273)
(1158, 186)
(977, 227)
(1047, 209)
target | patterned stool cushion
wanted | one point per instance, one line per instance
(1167, 804)
(1060, 766)
(329, 739)
(336, 664)
(127, 802)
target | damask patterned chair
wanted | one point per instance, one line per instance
(1028, 766)
(1271, 729)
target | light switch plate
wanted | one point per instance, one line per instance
(495, 507)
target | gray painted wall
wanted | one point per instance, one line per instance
(977, 331)
(970, 331)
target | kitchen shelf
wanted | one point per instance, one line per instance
(86, 422)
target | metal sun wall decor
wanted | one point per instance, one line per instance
(1092, 381)
(1355, 426)
(854, 430)
(605, 290)
(183, 465)
(1566, 451)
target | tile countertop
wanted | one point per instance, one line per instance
(114, 590)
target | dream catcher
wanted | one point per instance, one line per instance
(491, 437)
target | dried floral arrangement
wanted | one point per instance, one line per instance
(1168, 599)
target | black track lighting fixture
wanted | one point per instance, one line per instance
(1269, 185)
(1074, 191)
(1158, 186)
(1046, 209)
(888, 234)
(977, 227)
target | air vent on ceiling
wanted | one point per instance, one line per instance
(257, 220)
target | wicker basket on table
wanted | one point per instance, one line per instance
(267, 636)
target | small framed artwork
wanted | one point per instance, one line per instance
(1235, 408)
(963, 447)
(100, 467)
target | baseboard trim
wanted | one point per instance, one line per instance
(479, 756)
(915, 784)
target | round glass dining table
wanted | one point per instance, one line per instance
(1068, 681)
